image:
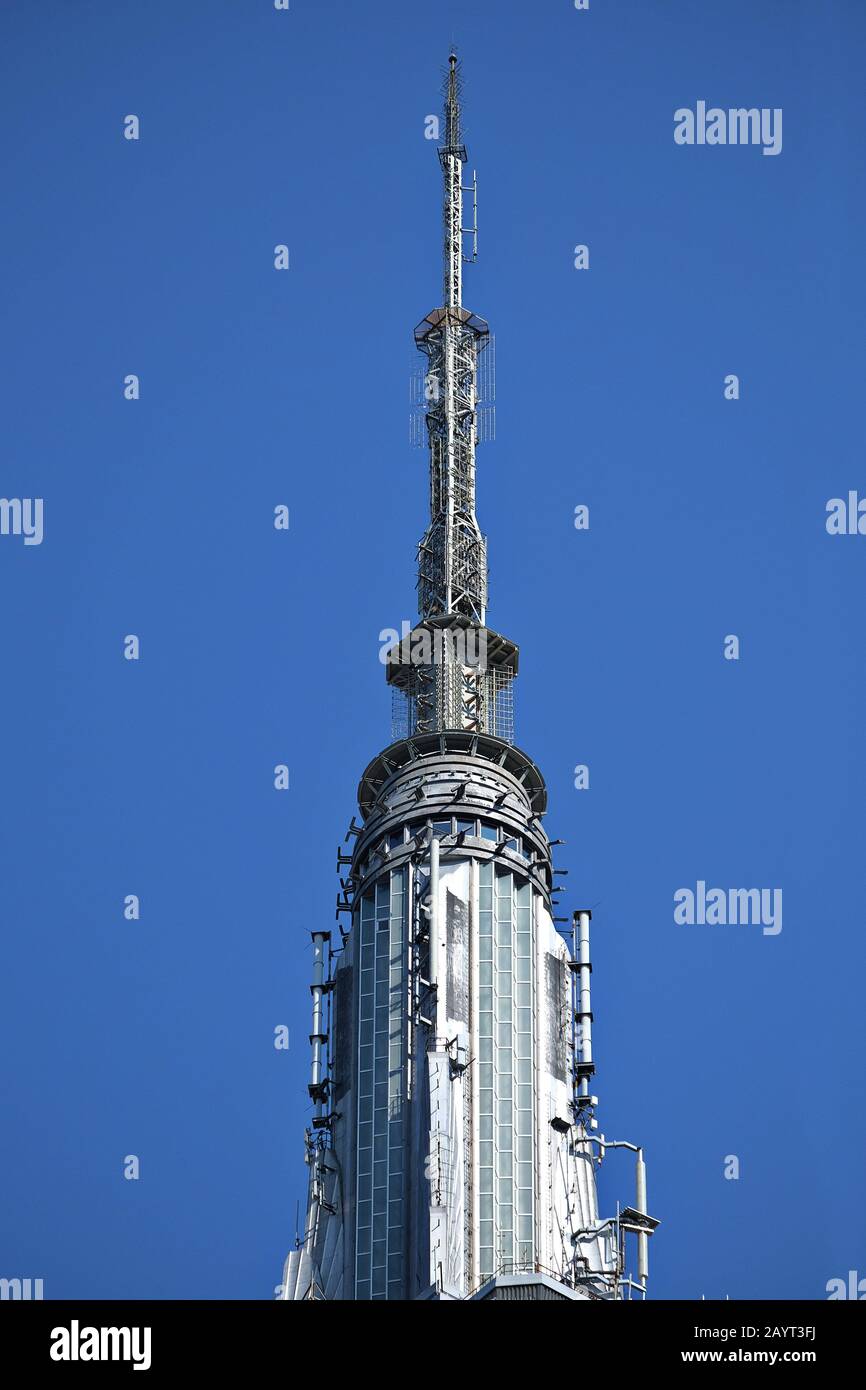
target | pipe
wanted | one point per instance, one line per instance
(317, 1034)
(640, 1204)
(640, 1198)
(434, 911)
(584, 1004)
(317, 1038)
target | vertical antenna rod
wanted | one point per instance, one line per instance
(453, 155)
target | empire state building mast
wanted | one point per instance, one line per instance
(453, 1146)
(452, 575)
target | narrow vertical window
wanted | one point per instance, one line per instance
(379, 1230)
(505, 1113)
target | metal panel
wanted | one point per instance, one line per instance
(556, 1004)
(457, 965)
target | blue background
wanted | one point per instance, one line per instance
(259, 647)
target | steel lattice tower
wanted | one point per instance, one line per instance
(453, 1147)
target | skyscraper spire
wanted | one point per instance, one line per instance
(466, 683)
(452, 1151)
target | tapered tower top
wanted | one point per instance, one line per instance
(464, 685)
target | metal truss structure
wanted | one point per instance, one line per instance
(444, 687)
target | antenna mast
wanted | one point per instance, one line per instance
(452, 558)
(451, 671)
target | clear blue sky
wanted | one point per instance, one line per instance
(259, 387)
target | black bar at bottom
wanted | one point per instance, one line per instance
(74, 1338)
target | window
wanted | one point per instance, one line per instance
(379, 1212)
(505, 1045)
